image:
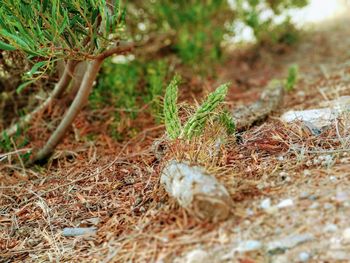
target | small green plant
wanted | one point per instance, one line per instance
(9, 144)
(292, 77)
(171, 115)
(196, 123)
(226, 120)
(117, 86)
(155, 76)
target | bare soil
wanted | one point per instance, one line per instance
(291, 188)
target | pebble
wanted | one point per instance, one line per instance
(314, 205)
(338, 255)
(307, 172)
(265, 204)
(346, 234)
(249, 245)
(280, 158)
(304, 195)
(331, 228)
(304, 256)
(341, 196)
(250, 212)
(288, 242)
(285, 203)
(327, 206)
(196, 256)
(78, 231)
(333, 178)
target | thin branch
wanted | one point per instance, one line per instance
(57, 92)
(78, 102)
(121, 47)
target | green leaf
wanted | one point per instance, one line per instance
(21, 87)
(7, 47)
(35, 68)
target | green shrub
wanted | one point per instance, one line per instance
(155, 76)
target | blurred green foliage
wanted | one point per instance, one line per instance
(292, 77)
(261, 16)
(194, 29)
(126, 85)
(155, 75)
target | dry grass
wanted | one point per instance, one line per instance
(115, 187)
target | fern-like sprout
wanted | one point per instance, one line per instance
(292, 77)
(195, 125)
(226, 120)
(171, 117)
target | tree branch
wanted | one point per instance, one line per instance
(78, 102)
(121, 47)
(57, 92)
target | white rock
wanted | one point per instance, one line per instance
(320, 117)
(196, 256)
(78, 231)
(330, 228)
(304, 256)
(288, 242)
(265, 204)
(307, 172)
(317, 117)
(341, 196)
(346, 234)
(196, 190)
(248, 245)
(338, 255)
(285, 203)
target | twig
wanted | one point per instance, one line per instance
(58, 90)
(4, 155)
(121, 47)
(19, 158)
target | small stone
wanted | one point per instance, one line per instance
(338, 255)
(330, 228)
(196, 256)
(285, 203)
(265, 204)
(304, 256)
(78, 231)
(280, 259)
(304, 195)
(249, 245)
(278, 246)
(341, 197)
(314, 205)
(307, 172)
(272, 210)
(328, 206)
(346, 234)
(333, 178)
(250, 212)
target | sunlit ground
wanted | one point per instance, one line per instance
(318, 11)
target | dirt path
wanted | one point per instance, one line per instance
(291, 188)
